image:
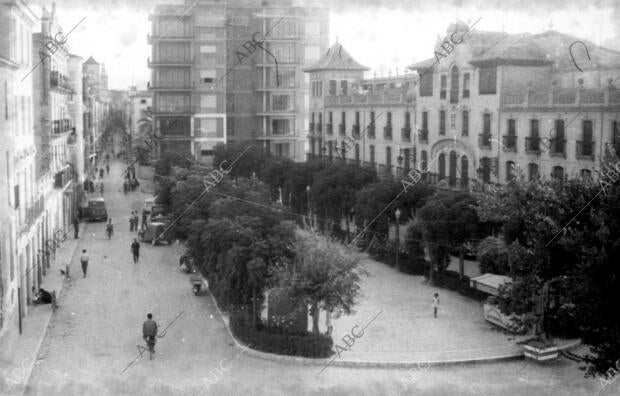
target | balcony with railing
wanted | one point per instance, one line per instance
(61, 126)
(387, 132)
(532, 145)
(355, 131)
(383, 98)
(330, 128)
(60, 81)
(510, 143)
(585, 149)
(423, 136)
(31, 214)
(371, 130)
(177, 85)
(484, 141)
(319, 127)
(557, 148)
(561, 97)
(168, 61)
(342, 129)
(311, 127)
(405, 134)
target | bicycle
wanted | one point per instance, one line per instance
(150, 346)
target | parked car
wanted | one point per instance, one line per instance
(149, 203)
(155, 226)
(95, 210)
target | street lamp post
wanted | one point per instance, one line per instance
(308, 204)
(397, 214)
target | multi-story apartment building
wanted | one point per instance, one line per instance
(21, 207)
(140, 120)
(76, 111)
(496, 101)
(364, 121)
(55, 132)
(232, 70)
(96, 110)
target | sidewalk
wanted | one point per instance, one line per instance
(18, 353)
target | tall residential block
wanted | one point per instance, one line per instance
(232, 70)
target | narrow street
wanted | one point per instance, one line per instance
(95, 332)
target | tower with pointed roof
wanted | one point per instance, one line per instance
(333, 74)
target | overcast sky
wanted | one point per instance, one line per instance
(383, 35)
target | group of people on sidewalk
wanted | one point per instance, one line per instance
(134, 220)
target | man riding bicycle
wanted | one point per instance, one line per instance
(149, 331)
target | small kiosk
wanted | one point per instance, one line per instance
(490, 284)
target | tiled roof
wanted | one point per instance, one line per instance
(91, 61)
(336, 58)
(546, 48)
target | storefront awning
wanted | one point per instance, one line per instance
(489, 283)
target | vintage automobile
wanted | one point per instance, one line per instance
(148, 204)
(155, 227)
(95, 210)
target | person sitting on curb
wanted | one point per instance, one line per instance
(42, 297)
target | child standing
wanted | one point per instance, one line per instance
(435, 304)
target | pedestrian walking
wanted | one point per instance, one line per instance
(328, 322)
(144, 216)
(135, 249)
(435, 304)
(76, 227)
(84, 260)
(135, 221)
(107, 169)
(101, 173)
(131, 222)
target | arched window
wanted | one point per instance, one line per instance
(485, 169)
(442, 166)
(464, 171)
(452, 168)
(510, 171)
(454, 85)
(586, 174)
(532, 170)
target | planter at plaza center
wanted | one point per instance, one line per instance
(513, 323)
(276, 340)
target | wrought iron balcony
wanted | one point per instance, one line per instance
(557, 147)
(387, 132)
(330, 128)
(355, 131)
(585, 148)
(423, 137)
(371, 131)
(484, 141)
(342, 129)
(510, 143)
(532, 145)
(405, 134)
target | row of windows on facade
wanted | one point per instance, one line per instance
(487, 83)
(509, 141)
(171, 27)
(316, 87)
(487, 165)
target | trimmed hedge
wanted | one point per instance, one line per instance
(273, 340)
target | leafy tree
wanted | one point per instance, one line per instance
(333, 191)
(248, 158)
(564, 237)
(493, 256)
(323, 273)
(414, 245)
(448, 221)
